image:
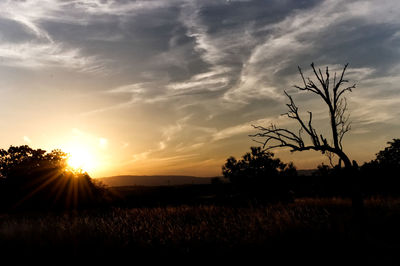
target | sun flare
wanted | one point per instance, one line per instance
(80, 158)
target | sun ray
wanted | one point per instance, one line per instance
(50, 177)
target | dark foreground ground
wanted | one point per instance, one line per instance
(309, 230)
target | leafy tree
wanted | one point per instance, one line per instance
(381, 174)
(387, 161)
(390, 156)
(259, 172)
(22, 161)
(254, 167)
(33, 178)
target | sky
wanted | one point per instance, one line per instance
(173, 86)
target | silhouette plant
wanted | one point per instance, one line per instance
(390, 156)
(259, 173)
(381, 174)
(33, 178)
(332, 94)
(331, 91)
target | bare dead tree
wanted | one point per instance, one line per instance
(331, 91)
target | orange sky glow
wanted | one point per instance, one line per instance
(173, 87)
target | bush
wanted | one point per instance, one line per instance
(381, 174)
(259, 174)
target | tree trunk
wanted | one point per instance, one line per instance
(353, 176)
(357, 197)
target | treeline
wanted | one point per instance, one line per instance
(36, 179)
(259, 175)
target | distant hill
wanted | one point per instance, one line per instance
(306, 172)
(153, 180)
(165, 180)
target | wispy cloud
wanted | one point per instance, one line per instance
(210, 52)
(214, 79)
(27, 139)
(39, 55)
(168, 134)
(118, 8)
(191, 73)
(297, 36)
(247, 128)
(42, 49)
(369, 111)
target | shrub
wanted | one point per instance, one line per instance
(260, 174)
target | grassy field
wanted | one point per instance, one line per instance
(314, 230)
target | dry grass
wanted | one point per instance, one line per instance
(202, 229)
(159, 226)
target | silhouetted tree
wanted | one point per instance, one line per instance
(331, 91)
(381, 174)
(259, 172)
(35, 179)
(322, 170)
(22, 161)
(390, 156)
(330, 181)
(333, 96)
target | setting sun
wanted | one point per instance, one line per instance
(80, 158)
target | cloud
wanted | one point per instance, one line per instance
(247, 128)
(118, 8)
(210, 52)
(370, 111)
(32, 12)
(223, 50)
(134, 93)
(214, 79)
(296, 36)
(40, 50)
(27, 139)
(39, 55)
(195, 72)
(43, 49)
(170, 132)
(232, 131)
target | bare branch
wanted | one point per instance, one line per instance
(320, 79)
(285, 138)
(302, 76)
(293, 113)
(275, 137)
(330, 156)
(327, 78)
(337, 85)
(310, 85)
(343, 91)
